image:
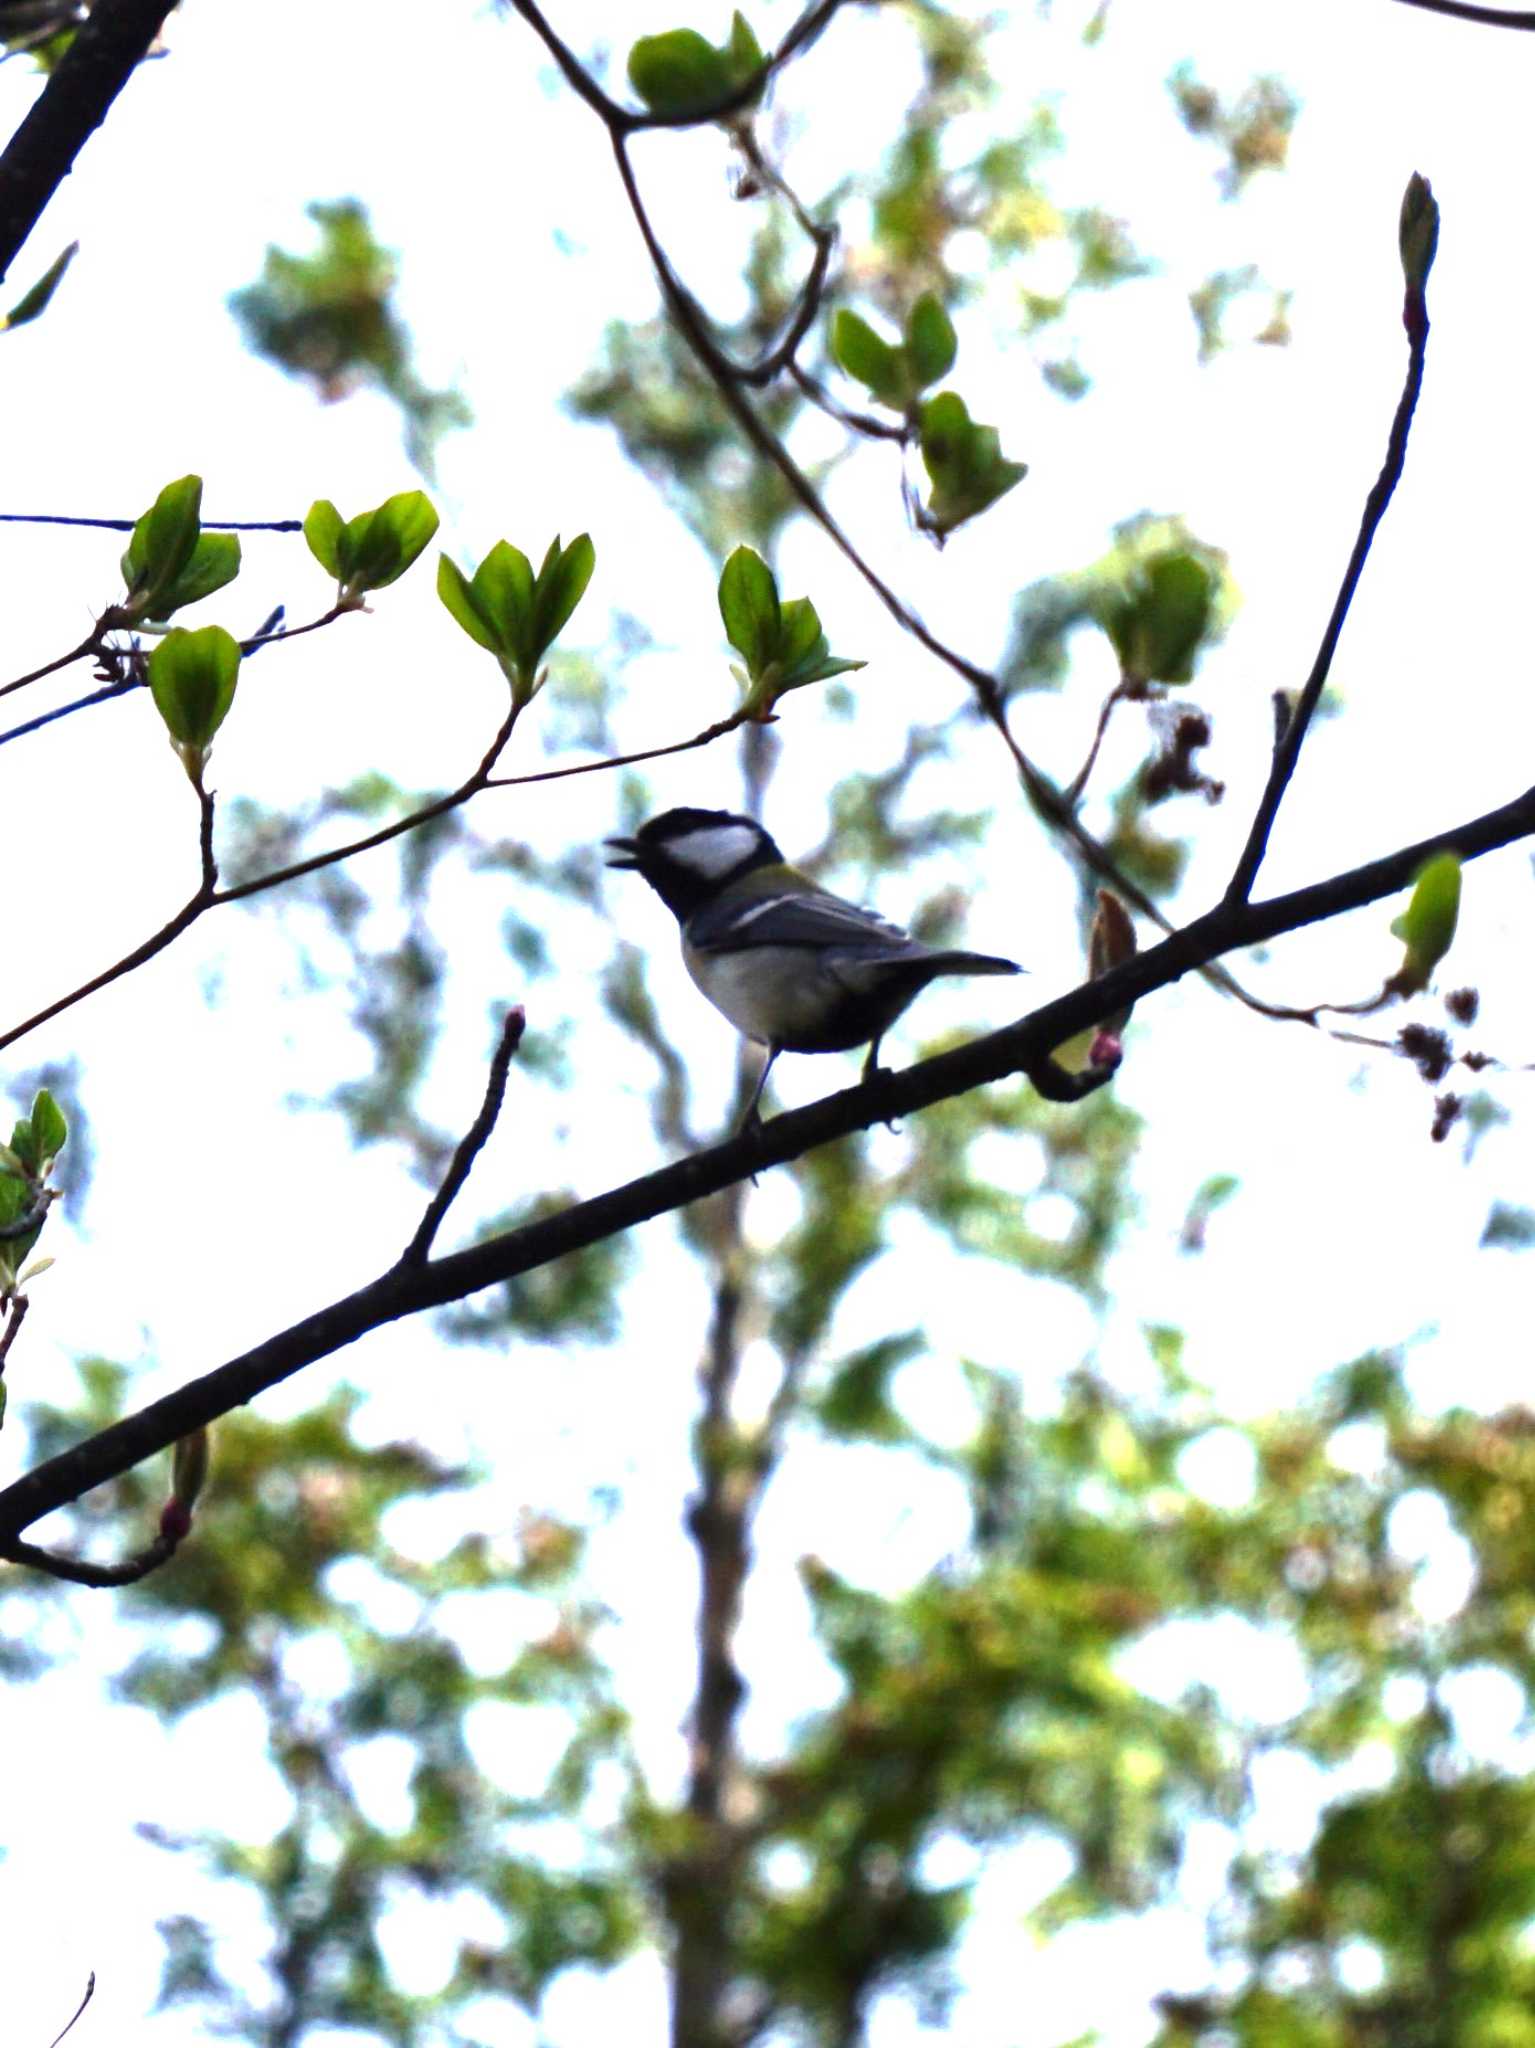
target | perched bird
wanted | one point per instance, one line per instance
(792, 966)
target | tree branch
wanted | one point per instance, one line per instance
(406, 1290)
(76, 100)
(1287, 752)
(1467, 10)
(472, 1142)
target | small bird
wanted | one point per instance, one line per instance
(792, 966)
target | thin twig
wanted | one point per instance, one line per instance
(1467, 10)
(1287, 753)
(861, 422)
(91, 644)
(90, 1993)
(473, 1140)
(79, 1571)
(13, 1322)
(699, 739)
(127, 525)
(209, 897)
(1078, 783)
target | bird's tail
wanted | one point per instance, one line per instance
(972, 963)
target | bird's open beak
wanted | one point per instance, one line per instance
(624, 854)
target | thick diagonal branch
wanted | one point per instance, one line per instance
(71, 106)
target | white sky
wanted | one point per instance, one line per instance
(468, 166)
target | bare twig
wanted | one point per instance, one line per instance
(473, 1140)
(91, 644)
(208, 896)
(700, 739)
(405, 1290)
(1298, 722)
(1467, 10)
(1074, 788)
(79, 1571)
(13, 1322)
(127, 525)
(90, 1993)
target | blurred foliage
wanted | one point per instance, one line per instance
(330, 318)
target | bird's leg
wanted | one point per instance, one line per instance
(752, 1120)
(872, 1070)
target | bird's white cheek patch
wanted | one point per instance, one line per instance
(714, 850)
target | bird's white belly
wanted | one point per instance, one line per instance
(775, 994)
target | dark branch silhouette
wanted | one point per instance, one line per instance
(107, 47)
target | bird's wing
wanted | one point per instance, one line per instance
(812, 918)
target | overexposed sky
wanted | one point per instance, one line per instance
(500, 194)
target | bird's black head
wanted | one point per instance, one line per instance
(687, 855)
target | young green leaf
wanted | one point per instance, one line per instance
(48, 1126)
(748, 599)
(323, 530)
(214, 561)
(930, 344)
(192, 679)
(1427, 926)
(964, 462)
(35, 301)
(561, 585)
(868, 359)
(161, 544)
(374, 549)
(1158, 623)
(679, 74)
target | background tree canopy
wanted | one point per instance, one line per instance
(1033, 1550)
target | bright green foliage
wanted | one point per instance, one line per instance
(680, 76)
(516, 615)
(35, 301)
(374, 549)
(36, 1141)
(781, 644)
(897, 374)
(1162, 617)
(1427, 926)
(330, 318)
(964, 462)
(169, 561)
(192, 679)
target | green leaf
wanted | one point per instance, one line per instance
(24, 1146)
(930, 343)
(1427, 926)
(964, 462)
(379, 546)
(679, 73)
(31, 303)
(215, 561)
(748, 598)
(192, 679)
(457, 593)
(323, 531)
(503, 590)
(161, 544)
(800, 636)
(1159, 622)
(743, 51)
(48, 1125)
(561, 584)
(868, 359)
